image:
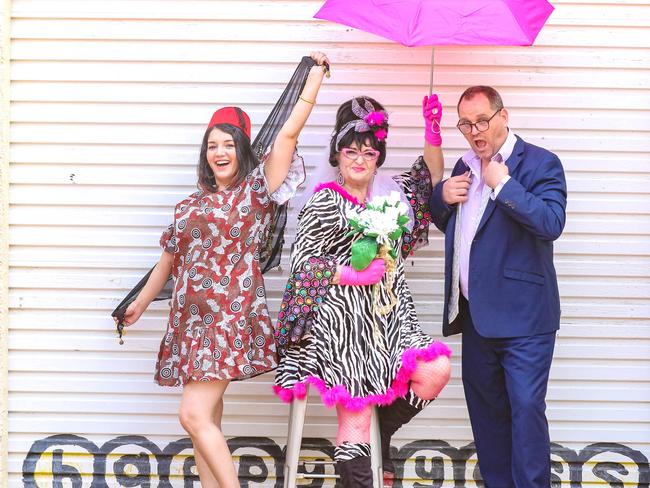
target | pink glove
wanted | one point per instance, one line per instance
(369, 276)
(432, 113)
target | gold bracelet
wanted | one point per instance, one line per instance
(306, 101)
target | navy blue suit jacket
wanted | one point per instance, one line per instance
(512, 282)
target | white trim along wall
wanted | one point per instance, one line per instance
(5, 19)
(108, 102)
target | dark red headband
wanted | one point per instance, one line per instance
(234, 116)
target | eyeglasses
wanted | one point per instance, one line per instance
(369, 156)
(481, 125)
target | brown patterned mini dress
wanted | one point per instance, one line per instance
(219, 325)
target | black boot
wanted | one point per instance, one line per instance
(355, 472)
(391, 418)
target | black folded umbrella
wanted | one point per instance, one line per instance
(272, 249)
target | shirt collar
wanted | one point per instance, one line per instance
(508, 146)
(472, 160)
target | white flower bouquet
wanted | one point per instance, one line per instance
(382, 223)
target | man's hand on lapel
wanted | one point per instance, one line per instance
(454, 190)
(494, 172)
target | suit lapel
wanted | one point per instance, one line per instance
(517, 155)
(512, 162)
(459, 168)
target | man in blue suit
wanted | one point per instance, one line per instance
(501, 210)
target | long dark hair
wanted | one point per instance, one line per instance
(246, 159)
(345, 115)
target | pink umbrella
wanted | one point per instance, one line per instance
(443, 22)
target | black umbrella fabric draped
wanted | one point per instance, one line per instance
(272, 250)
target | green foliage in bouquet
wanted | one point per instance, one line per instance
(363, 252)
(382, 223)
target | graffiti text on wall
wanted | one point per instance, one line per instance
(130, 461)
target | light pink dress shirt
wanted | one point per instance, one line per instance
(472, 211)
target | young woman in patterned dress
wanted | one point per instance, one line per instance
(219, 327)
(328, 333)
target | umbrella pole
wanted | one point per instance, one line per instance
(431, 74)
(435, 125)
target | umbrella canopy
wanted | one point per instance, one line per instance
(443, 22)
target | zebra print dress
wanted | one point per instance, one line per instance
(325, 332)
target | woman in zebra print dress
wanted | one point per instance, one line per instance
(328, 334)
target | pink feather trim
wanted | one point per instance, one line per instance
(333, 185)
(340, 394)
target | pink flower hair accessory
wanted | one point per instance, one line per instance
(381, 134)
(375, 118)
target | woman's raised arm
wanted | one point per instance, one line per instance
(279, 161)
(432, 113)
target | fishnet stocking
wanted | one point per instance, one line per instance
(430, 377)
(354, 427)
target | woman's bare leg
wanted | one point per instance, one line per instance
(205, 475)
(197, 415)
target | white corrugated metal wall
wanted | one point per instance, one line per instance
(108, 104)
